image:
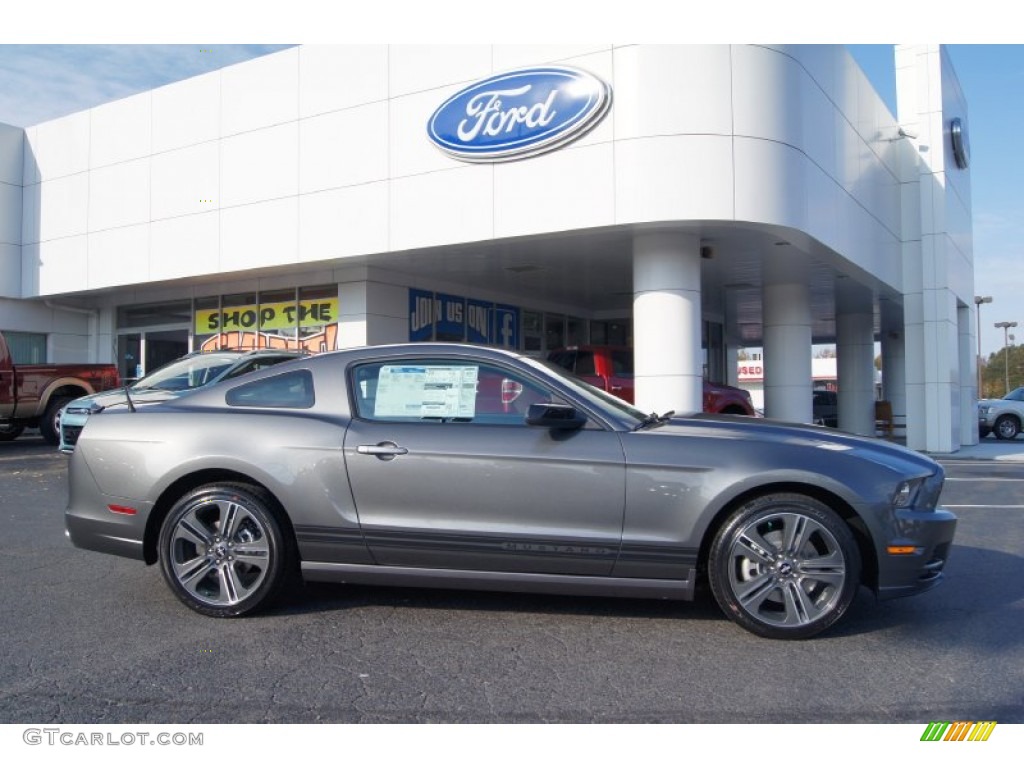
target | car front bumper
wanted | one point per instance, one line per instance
(928, 535)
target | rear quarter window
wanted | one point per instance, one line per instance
(293, 389)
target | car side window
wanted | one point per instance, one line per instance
(293, 389)
(445, 391)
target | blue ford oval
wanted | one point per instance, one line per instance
(518, 114)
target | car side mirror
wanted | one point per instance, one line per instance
(555, 416)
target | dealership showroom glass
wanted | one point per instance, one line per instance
(685, 201)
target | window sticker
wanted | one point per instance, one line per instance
(427, 391)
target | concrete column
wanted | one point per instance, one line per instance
(787, 344)
(894, 374)
(968, 372)
(666, 322)
(855, 364)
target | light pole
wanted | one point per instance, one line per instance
(1006, 326)
(978, 301)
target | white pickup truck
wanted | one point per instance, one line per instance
(1004, 417)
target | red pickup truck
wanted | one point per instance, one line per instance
(32, 395)
(611, 369)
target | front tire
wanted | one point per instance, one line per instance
(1006, 427)
(49, 427)
(223, 550)
(784, 566)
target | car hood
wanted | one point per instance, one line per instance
(996, 401)
(781, 432)
(117, 397)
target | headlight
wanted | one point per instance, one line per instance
(906, 493)
(988, 410)
(87, 408)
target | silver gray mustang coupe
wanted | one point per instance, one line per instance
(446, 465)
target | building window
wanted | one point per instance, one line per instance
(26, 348)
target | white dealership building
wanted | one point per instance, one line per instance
(710, 198)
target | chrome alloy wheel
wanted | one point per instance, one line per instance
(784, 566)
(222, 550)
(219, 552)
(787, 570)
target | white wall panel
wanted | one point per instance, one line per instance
(121, 130)
(770, 183)
(62, 266)
(411, 152)
(767, 89)
(666, 90)
(444, 207)
(414, 68)
(259, 235)
(674, 177)
(260, 92)
(186, 181)
(260, 165)
(184, 246)
(344, 148)
(58, 148)
(119, 257)
(63, 206)
(343, 222)
(186, 113)
(10, 270)
(12, 151)
(10, 213)
(577, 192)
(335, 77)
(119, 195)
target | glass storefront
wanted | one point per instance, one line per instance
(150, 335)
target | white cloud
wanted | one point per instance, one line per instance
(42, 82)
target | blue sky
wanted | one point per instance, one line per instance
(40, 82)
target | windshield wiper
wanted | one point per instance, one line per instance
(653, 420)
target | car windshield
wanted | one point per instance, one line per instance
(1017, 394)
(186, 373)
(621, 406)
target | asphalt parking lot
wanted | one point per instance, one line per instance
(89, 638)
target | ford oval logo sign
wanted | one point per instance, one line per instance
(519, 114)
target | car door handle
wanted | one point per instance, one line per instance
(385, 451)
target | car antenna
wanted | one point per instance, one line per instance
(128, 397)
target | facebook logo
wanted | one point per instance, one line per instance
(506, 326)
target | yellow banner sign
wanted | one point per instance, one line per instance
(267, 317)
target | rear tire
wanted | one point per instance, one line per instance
(10, 432)
(224, 550)
(1006, 428)
(784, 566)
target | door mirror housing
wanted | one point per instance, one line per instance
(555, 416)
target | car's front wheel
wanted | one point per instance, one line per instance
(784, 566)
(223, 550)
(49, 426)
(1007, 427)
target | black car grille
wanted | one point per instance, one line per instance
(71, 434)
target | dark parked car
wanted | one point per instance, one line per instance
(826, 408)
(454, 466)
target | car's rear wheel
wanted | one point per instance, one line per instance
(1007, 427)
(784, 566)
(10, 432)
(223, 550)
